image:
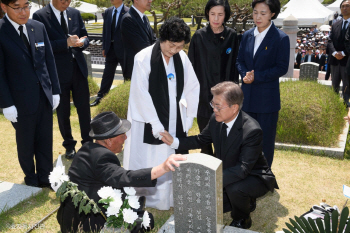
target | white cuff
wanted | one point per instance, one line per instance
(175, 143)
(334, 53)
(342, 52)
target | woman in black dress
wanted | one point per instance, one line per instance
(213, 51)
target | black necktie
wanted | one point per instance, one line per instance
(145, 22)
(223, 137)
(343, 30)
(24, 38)
(114, 23)
(64, 24)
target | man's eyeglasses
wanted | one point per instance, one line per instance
(65, 1)
(19, 9)
(217, 107)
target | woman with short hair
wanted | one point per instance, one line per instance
(263, 58)
(162, 78)
(213, 51)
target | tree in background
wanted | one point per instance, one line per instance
(163, 6)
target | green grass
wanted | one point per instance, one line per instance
(311, 114)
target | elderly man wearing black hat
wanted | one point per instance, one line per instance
(95, 165)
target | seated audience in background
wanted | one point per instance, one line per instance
(237, 140)
(297, 59)
(95, 165)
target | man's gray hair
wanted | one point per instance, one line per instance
(231, 91)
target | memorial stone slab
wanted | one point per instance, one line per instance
(308, 71)
(197, 191)
(87, 56)
(11, 194)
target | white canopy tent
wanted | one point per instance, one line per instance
(35, 7)
(87, 8)
(308, 12)
(335, 6)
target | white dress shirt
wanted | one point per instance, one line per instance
(16, 26)
(139, 12)
(58, 15)
(259, 37)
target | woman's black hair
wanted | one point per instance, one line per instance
(274, 5)
(175, 29)
(212, 3)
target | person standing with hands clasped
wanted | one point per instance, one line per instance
(213, 51)
(263, 58)
(68, 38)
(29, 89)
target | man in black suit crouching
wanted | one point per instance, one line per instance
(113, 49)
(137, 33)
(68, 38)
(237, 140)
(29, 88)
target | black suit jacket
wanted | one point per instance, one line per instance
(242, 155)
(107, 32)
(298, 61)
(22, 73)
(93, 167)
(63, 54)
(337, 43)
(347, 47)
(135, 37)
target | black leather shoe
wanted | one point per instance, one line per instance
(45, 185)
(242, 223)
(70, 154)
(96, 102)
(252, 204)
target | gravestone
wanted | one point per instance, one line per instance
(309, 71)
(197, 191)
(87, 56)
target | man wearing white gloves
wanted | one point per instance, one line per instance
(29, 88)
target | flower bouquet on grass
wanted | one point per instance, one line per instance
(120, 214)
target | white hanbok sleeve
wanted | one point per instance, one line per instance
(191, 87)
(141, 106)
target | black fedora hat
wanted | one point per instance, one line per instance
(108, 125)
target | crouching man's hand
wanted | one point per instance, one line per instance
(167, 165)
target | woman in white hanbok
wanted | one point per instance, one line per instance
(164, 95)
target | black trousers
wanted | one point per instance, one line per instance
(328, 72)
(81, 98)
(109, 71)
(202, 123)
(34, 139)
(237, 196)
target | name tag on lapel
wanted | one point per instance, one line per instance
(39, 44)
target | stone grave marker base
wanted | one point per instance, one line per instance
(169, 227)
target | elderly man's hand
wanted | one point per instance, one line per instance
(169, 164)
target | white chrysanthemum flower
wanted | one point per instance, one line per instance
(130, 191)
(57, 177)
(129, 216)
(112, 210)
(117, 194)
(134, 202)
(105, 192)
(146, 220)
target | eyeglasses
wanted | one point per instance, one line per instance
(19, 9)
(217, 107)
(65, 1)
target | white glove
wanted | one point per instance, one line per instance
(189, 123)
(157, 128)
(55, 101)
(10, 113)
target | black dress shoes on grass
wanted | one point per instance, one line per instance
(252, 204)
(70, 154)
(242, 223)
(96, 102)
